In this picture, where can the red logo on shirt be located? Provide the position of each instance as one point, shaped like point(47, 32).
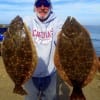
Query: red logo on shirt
point(43, 37)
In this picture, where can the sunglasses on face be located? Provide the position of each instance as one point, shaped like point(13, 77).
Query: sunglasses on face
point(45, 3)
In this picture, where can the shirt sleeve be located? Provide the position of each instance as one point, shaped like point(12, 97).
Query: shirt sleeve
point(57, 29)
point(28, 22)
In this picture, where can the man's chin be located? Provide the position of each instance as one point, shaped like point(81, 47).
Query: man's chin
point(42, 17)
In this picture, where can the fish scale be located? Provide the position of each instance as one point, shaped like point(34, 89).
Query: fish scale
point(75, 57)
point(19, 54)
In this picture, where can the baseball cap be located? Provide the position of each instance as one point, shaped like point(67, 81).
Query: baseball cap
point(39, 3)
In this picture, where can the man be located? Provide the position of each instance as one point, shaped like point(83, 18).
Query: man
point(44, 27)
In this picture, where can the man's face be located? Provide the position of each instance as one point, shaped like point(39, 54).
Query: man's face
point(42, 9)
point(42, 12)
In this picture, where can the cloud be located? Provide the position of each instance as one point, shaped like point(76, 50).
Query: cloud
point(86, 11)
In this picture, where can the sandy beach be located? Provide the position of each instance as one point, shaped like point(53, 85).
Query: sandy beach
point(91, 91)
point(6, 85)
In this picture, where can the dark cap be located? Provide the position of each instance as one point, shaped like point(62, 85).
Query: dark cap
point(39, 3)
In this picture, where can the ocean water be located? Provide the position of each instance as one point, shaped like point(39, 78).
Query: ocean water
point(95, 36)
point(94, 33)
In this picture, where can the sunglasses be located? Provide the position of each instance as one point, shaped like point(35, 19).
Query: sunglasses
point(45, 3)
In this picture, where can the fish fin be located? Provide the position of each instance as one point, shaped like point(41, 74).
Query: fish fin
point(77, 94)
point(19, 90)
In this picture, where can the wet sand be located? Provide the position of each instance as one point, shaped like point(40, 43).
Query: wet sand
point(91, 91)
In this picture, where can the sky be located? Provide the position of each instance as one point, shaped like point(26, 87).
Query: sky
point(87, 12)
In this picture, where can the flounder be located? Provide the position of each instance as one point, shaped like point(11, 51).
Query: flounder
point(99, 64)
point(19, 54)
point(75, 57)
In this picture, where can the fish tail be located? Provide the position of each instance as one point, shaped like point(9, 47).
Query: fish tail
point(19, 90)
point(77, 94)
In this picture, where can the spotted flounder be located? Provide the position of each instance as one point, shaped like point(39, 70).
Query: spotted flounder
point(19, 54)
point(75, 57)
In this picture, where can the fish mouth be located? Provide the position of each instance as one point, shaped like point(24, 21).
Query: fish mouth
point(70, 19)
point(71, 28)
